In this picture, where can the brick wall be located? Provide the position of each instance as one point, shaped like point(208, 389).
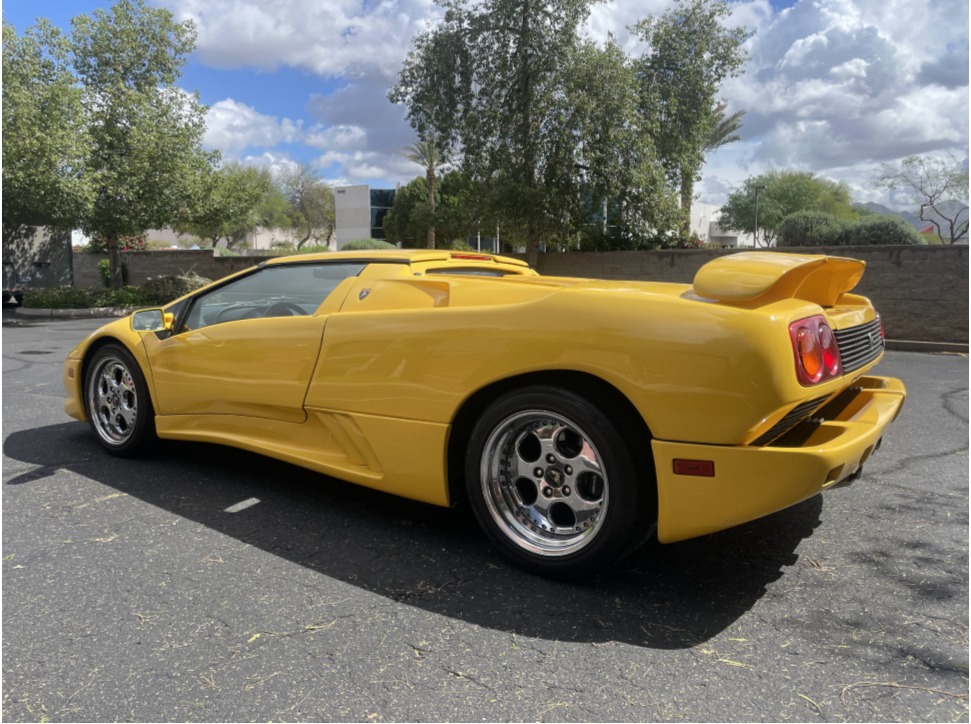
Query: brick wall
point(921, 291)
point(144, 264)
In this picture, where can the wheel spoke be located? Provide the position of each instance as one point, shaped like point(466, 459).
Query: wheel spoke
point(545, 482)
point(113, 400)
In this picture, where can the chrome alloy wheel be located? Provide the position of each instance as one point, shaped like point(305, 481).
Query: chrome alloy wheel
point(112, 400)
point(544, 483)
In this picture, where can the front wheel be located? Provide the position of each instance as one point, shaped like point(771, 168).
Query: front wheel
point(118, 403)
point(555, 484)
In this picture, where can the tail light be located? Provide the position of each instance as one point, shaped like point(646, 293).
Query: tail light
point(815, 349)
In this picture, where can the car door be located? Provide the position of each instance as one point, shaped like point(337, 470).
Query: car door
point(248, 347)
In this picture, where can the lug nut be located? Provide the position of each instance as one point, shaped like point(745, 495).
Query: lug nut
point(568, 470)
point(538, 472)
point(548, 492)
point(566, 490)
point(550, 459)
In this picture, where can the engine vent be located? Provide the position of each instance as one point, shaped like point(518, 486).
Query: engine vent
point(859, 345)
point(796, 415)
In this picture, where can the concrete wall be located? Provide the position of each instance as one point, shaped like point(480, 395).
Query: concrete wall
point(35, 257)
point(921, 291)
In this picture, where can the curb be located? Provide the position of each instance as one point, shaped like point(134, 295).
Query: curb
point(913, 345)
point(75, 313)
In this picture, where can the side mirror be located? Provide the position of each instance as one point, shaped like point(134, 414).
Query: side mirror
point(152, 320)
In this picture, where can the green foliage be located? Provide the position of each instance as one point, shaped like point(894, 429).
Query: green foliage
point(779, 194)
point(74, 298)
point(367, 244)
point(145, 162)
point(811, 228)
point(230, 207)
point(311, 204)
point(429, 156)
point(692, 52)
point(98, 244)
point(553, 129)
point(45, 137)
point(163, 289)
point(104, 269)
point(884, 229)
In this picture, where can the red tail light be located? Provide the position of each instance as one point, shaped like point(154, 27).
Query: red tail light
point(816, 351)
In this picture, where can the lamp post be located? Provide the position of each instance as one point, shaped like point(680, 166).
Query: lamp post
point(758, 189)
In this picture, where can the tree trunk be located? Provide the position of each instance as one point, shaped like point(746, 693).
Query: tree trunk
point(532, 244)
point(430, 179)
point(114, 260)
point(687, 191)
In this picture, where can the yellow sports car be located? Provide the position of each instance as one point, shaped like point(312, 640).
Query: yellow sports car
point(577, 417)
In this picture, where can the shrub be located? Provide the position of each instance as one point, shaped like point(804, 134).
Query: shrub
point(104, 268)
point(367, 244)
point(811, 228)
point(889, 230)
point(163, 289)
point(126, 242)
point(74, 298)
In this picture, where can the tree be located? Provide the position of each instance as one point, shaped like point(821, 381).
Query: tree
point(611, 187)
point(691, 53)
point(406, 221)
point(779, 194)
point(488, 79)
point(940, 187)
point(146, 158)
point(884, 229)
point(812, 228)
point(427, 155)
point(311, 204)
point(45, 139)
point(230, 208)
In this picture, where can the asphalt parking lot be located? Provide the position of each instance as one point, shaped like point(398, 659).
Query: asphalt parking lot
point(208, 584)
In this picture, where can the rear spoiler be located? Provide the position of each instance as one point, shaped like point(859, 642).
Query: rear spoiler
point(767, 276)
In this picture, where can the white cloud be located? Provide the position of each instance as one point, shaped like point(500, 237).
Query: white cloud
point(331, 38)
point(233, 127)
point(833, 86)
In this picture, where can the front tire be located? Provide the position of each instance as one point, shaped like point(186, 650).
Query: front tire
point(118, 403)
point(555, 484)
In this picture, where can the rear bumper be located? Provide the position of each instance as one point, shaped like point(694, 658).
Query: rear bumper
point(752, 482)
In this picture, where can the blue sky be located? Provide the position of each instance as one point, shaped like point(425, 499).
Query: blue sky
point(838, 87)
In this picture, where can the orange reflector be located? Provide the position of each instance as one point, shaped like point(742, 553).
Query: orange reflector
point(699, 468)
point(70, 374)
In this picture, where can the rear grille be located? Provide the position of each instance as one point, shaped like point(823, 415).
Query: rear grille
point(859, 345)
point(796, 415)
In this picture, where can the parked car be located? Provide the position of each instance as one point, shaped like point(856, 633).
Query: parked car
point(577, 417)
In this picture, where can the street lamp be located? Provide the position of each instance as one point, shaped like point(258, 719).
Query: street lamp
point(758, 189)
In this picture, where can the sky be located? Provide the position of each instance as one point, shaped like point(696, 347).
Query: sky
point(841, 88)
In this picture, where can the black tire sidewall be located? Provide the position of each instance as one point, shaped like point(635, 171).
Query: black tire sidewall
point(143, 434)
point(626, 511)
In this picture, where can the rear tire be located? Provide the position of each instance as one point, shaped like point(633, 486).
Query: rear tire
point(118, 403)
point(555, 484)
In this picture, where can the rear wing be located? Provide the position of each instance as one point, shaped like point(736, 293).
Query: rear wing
point(768, 276)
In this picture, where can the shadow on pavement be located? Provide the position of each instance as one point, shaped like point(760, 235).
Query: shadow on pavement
point(665, 597)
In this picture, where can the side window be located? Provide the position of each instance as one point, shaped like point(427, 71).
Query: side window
point(275, 291)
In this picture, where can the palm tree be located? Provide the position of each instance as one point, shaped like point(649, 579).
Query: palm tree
point(724, 130)
point(427, 154)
